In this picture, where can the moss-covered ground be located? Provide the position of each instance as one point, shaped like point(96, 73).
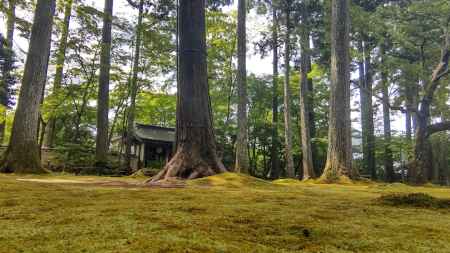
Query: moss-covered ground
point(224, 213)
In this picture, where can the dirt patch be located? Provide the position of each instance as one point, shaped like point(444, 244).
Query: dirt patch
point(97, 183)
point(54, 181)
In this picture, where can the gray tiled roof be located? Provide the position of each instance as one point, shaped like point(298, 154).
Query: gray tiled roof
point(155, 133)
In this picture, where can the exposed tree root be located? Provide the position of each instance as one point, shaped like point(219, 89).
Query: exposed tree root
point(338, 174)
point(188, 164)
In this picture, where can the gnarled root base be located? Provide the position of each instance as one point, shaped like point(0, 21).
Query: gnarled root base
point(339, 175)
point(22, 159)
point(189, 165)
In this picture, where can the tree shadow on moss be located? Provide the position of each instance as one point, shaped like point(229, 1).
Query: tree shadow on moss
point(418, 200)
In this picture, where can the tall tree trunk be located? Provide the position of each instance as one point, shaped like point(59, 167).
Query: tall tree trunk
point(388, 158)
point(103, 88)
point(317, 163)
point(60, 59)
point(411, 110)
point(242, 159)
point(440, 152)
point(275, 161)
point(133, 90)
point(196, 154)
point(339, 157)
point(7, 66)
point(368, 140)
point(290, 170)
point(408, 126)
point(422, 155)
point(22, 155)
point(305, 100)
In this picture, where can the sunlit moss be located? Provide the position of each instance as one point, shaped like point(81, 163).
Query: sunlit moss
point(224, 213)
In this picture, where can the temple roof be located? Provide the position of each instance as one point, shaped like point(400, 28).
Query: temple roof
point(154, 133)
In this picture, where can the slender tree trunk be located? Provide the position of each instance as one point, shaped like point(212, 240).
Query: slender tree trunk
point(339, 157)
point(290, 170)
point(388, 158)
point(133, 90)
point(43, 127)
point(275, 161)
point(317, 163)
point(411, 108)
point(408, 125)
point(305, 101)
point(22, 155)
point(7, 66)
point(103, 88)
point(365, 72)
point(242, 160)
point(196, 154)
point(60, 59)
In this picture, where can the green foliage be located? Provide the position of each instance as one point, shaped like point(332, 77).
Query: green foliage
point(156, 109)
point(74, 156)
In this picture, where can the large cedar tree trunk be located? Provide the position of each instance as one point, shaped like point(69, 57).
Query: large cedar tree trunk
point(7, 66)
point(133, 89)
point(196, 154)
point(103, 88)
point(274, 157)
point(60, 59)
point(242, 159)
point(305, 101)
point(422, 162)
point(22, 155)
point(339, 157)
point(290, 170)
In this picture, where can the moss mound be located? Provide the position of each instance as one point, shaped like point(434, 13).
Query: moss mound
point(344, 180)
point(228, 179)
point(420, 200)
point(287, 181)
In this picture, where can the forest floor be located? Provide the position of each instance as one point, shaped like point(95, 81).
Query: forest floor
point(224, 213)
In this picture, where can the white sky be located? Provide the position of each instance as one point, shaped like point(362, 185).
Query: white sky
point(255, 64)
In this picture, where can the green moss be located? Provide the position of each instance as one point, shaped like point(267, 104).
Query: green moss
point(224, 213)
point(414, 200)
point(231, 180)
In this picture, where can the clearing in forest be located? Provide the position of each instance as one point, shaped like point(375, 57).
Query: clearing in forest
point(223, 213)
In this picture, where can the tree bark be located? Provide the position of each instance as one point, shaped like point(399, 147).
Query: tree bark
point(305, 100)
point(60, 59)
point(133, 90)
point(7, 66)
point(368, 140)
point(22, 155)
point(408, 125)
point(422, 155)
point(290, 170)
point(103, 88)
point(388, 158)
point(440, 159)
point(275, 161)
point(242, 160)
point(339, 157)
point(196, 154)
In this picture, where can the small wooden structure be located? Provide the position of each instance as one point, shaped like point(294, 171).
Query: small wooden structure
point(152, 146)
